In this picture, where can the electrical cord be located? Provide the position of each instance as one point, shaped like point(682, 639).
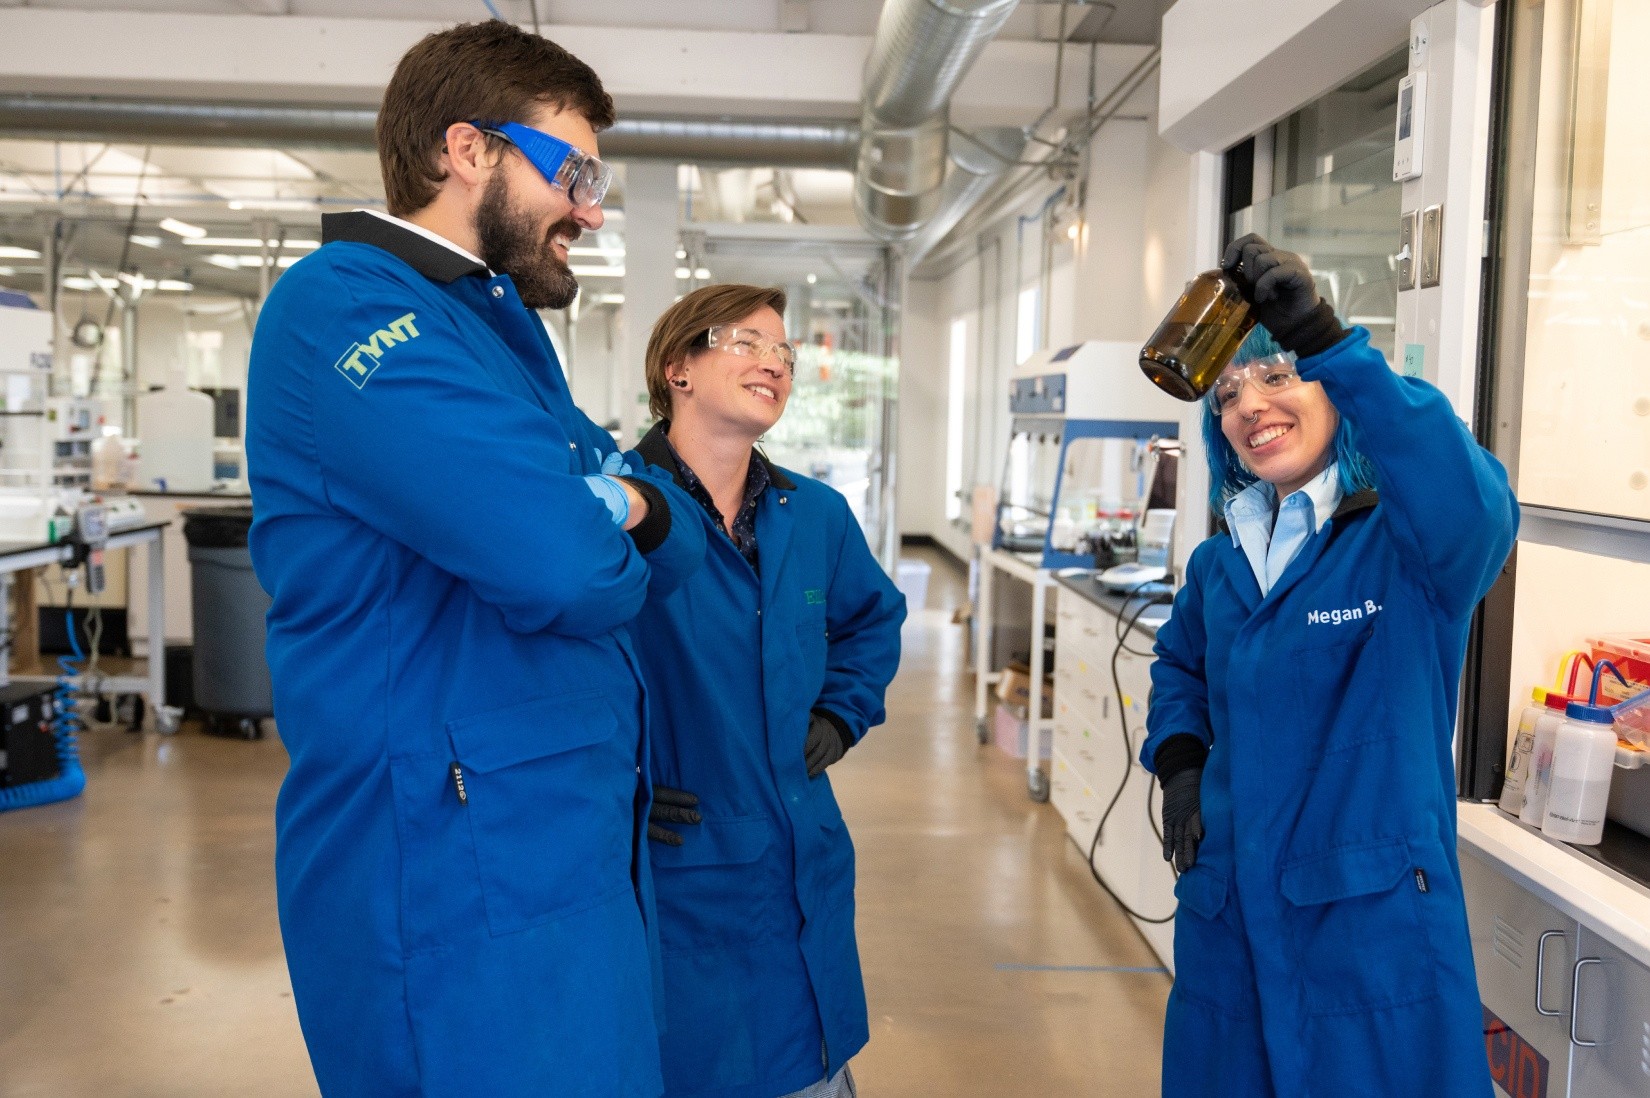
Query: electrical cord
point(1124, 625)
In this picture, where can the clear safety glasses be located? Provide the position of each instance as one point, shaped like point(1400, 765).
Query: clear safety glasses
point(581, 176)
point(750, 343)
point(1269, 376)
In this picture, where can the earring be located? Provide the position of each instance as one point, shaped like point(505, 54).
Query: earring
point(680, 382)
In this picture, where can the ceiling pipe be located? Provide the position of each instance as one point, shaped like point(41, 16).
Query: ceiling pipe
point(776, 144)
point(979, 160)
point(920, 53)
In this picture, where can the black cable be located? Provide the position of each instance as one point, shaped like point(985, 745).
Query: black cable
point(1124, 625)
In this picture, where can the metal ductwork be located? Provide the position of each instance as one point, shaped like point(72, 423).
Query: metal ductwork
point(979, 160)
point(921, 51)
point(778, 144)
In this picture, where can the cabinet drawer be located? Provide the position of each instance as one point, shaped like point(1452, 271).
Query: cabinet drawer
point(1075, 800)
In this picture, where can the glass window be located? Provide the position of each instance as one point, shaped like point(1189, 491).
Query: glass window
point(1027, 337)
point(1320, 183)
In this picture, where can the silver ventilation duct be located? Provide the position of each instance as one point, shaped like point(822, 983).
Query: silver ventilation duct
point(979, 160)
point(921, 51)
point(783, 145)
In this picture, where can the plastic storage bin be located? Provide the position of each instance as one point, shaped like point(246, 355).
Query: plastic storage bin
point(912, 581)
point(1630, 654)
point(231, 676)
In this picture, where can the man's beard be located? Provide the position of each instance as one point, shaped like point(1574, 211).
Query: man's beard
point(511, 245)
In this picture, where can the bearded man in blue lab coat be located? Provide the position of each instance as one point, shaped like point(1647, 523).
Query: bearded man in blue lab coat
point(1304, 696)
point(763, 669)
point(464, 896)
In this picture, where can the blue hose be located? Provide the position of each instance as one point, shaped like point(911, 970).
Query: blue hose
point(71, 779)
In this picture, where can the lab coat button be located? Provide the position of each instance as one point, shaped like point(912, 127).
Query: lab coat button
point(784, 499)
point(498, 291)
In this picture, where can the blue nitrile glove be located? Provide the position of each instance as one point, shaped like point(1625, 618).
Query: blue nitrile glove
point(614, 465)
point(610, 492)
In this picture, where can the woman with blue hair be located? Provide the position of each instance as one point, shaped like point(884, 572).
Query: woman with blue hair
point(1302, 714)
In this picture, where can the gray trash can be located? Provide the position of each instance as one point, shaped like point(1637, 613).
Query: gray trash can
point(231, 674)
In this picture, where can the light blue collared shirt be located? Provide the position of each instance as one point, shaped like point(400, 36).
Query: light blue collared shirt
point(1272, 546)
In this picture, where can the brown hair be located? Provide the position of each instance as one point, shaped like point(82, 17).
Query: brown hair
point(684, 329)
point(490, 71)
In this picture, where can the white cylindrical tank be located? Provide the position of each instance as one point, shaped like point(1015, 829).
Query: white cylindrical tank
point(175, 425)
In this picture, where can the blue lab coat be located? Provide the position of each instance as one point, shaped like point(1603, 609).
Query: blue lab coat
point(448, 604)
point(1321, 945)
point(763, 994)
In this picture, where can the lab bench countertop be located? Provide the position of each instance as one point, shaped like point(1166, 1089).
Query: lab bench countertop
point(1595, 886)
point(1087, 586)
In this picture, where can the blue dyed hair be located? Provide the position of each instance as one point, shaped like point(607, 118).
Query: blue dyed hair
point(1227, 475)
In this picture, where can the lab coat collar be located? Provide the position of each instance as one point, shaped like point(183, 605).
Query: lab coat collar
point(431, 256)
point(655, 450)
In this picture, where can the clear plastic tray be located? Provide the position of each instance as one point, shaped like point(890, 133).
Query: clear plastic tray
point(1633, 720)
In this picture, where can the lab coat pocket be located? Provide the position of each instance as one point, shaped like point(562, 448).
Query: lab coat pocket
point(715, 890)
point(1210, 952)
point(1336, 694)
point(811, 642)
point(549, 793)
point(1355, 928)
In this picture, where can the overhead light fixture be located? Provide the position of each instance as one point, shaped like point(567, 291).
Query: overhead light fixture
point(9, 251)
point(584, 270)
point(146, 241)
point(597, 253)
point(610, 299)
point(701, 273)
point(182, 228)
point(176, 285)
point(280, 204)
point(251, 242)
point(227, 262)
point(812, 278)
point(683, 272)
point(681, 253)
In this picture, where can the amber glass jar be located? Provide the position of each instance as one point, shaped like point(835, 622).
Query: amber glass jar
point(1198, 338)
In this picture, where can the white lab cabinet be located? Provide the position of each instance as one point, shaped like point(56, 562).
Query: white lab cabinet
point(1091, 758)
point(1549, 931)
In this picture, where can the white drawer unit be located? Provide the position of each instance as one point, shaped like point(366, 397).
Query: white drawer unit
point(1551, 933)
point(1093, 758)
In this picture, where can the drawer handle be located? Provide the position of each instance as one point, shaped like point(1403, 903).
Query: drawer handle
point(1575, 1001)
point(1540, 965)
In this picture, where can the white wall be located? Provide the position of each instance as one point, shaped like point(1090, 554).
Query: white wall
point(1115, 282)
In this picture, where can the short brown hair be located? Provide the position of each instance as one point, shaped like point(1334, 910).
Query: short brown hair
point(683, 330)
point(490, 71)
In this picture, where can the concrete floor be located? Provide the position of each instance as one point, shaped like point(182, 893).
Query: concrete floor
point(139, 954)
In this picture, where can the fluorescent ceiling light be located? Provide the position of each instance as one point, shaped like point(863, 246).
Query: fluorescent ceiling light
point(701, 273)
point(228, 262)
point(9, 251)
point(598, 253)
point(681, 253)
point(8, 271)
point(250, 242)
point(279, 204)
point(587, 271)
point(683, 272)
point(146, 241)
point(610, 299)
point(182, 228)
point(175, 285)
point(812, 278)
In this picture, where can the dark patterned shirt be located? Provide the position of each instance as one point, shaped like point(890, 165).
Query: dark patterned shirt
point(744, 523)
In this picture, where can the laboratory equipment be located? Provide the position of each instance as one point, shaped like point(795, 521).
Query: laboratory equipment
point(176, 425)
point(1082, 430)
point(1199, 337)
point(1539, 781)
point(1584, 757)
point(28, 749)
point(1518, 767)
point(91, 538)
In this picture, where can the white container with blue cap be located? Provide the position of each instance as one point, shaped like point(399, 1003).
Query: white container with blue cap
point(1584, 759)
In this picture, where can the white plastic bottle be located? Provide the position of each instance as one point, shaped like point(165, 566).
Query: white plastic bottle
point(175, 424)
point(1518, 767)
point(1584, 757)
point(1539, 779)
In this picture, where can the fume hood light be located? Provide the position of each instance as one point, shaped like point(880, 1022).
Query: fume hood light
point(182, 228)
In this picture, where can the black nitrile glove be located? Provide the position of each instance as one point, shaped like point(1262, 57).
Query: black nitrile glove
point(1282, 295)
point(1183, 817)
point(671, 806)
point(827, 742)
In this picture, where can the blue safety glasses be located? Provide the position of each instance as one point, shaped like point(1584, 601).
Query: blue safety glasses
point(582, 177)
